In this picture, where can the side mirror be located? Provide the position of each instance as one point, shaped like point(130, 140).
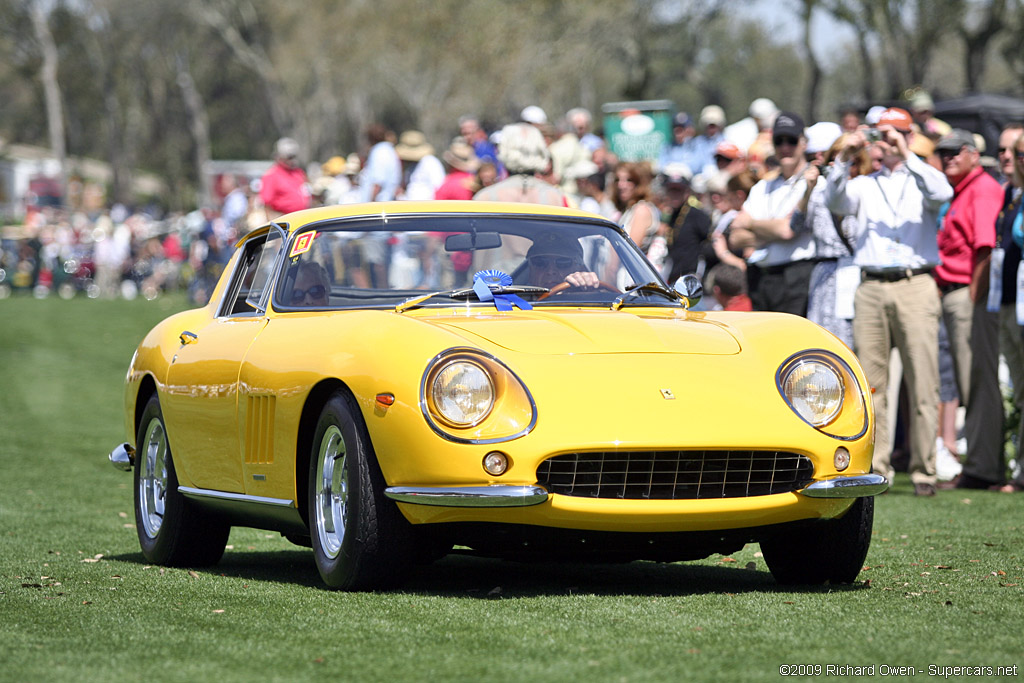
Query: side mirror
point(690, 289)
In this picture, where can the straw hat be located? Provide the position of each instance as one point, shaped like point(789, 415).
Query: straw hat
point(413, 146)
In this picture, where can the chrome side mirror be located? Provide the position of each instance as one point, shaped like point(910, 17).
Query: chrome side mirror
point(689, 289)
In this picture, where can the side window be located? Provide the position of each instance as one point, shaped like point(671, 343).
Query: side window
point(255, 269)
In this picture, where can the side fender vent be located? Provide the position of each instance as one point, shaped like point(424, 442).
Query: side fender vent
point(259, 429)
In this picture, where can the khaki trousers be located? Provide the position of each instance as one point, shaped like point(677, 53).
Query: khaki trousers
point(904, 314)
point(958, 314)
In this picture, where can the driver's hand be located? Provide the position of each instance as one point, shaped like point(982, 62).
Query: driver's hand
point(582, 279)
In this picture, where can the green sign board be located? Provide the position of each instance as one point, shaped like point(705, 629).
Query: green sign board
point(637, 131)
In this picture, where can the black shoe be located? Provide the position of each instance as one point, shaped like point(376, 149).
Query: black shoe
point(969, 481)
point(924, 489)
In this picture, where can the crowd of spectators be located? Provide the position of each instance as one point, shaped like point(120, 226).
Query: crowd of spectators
point(888, 228)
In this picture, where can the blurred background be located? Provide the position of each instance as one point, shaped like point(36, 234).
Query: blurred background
point(135, 119)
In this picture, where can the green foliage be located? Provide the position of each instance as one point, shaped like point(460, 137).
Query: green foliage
point(79, 602)
point(322, 71)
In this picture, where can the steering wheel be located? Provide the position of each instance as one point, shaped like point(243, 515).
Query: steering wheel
point(563, 286)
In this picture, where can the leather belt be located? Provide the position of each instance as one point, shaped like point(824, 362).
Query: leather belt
point(948, 287)
point(892, 274)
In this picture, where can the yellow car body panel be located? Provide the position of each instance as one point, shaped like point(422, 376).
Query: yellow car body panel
point(637, 379)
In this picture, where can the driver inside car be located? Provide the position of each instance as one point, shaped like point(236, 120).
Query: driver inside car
point(554, 259)
point(312, 286)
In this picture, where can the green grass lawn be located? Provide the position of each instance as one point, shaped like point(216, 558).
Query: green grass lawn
point(943, 585)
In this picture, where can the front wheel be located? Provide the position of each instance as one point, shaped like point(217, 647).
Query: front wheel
point(832, 550)
point(360, 539)
point(171, 530)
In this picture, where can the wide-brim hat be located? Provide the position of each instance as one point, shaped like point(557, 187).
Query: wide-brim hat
point(461, 156)
point(413, 146)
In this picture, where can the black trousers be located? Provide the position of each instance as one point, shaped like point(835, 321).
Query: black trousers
point(783, 288)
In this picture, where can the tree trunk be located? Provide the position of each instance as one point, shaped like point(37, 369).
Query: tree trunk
point(51, 90)
point(198, 125)
point(814, 68)
point(976, 43)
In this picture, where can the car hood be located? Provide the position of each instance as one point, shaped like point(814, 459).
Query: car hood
point(580, 331)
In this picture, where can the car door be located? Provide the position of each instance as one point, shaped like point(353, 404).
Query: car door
point(202, 389)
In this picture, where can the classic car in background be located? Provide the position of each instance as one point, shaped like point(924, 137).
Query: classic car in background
point(383, 382)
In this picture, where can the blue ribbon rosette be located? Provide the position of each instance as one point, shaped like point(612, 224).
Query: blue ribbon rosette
point(485, 281)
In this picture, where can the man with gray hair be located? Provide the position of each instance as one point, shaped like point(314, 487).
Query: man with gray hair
point(580, 122)
point(967, 235)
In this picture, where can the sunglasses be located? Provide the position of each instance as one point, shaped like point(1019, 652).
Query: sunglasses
point(315, 292)
point(785, 140)
point(949, 153)
point(543, 262)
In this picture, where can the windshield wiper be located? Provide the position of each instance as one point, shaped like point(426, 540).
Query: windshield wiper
point(465, 293)
point(656, 287)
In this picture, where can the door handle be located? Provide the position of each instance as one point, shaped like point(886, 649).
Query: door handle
point(187, 337)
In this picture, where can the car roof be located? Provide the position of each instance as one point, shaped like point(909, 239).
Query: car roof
point(299, 219)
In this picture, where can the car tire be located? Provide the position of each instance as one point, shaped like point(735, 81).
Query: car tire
point(172, 531)
point(361, 541)
point(832, 551)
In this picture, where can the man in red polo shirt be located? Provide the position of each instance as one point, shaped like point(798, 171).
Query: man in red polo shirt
point(966, 236)
point(284, 188)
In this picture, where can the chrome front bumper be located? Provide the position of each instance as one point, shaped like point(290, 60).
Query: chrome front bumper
point(857, 486)
point(122, 457)
point(469, 496)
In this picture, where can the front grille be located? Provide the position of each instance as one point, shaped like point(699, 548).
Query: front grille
point(675, 475)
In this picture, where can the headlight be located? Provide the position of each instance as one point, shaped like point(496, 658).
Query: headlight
point(814, 390)
point(826, 392)
point(469, 396)
point(462, 393)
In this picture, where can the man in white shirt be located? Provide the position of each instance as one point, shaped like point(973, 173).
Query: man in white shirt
point(897, 302)
point(780, 266)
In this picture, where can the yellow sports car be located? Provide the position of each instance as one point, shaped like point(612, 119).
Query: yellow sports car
point(385, 381)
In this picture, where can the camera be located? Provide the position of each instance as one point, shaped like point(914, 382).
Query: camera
point(873, 135)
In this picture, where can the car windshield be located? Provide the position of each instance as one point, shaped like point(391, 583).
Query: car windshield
point(414, 261)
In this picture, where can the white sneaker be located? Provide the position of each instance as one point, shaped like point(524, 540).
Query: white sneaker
point(947, 467)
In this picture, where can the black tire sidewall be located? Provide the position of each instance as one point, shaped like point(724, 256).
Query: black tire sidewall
point(339, 571)
point(161, 548)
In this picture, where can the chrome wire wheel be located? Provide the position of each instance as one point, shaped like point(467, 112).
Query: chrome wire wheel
point(153, 478)
point(331, 491)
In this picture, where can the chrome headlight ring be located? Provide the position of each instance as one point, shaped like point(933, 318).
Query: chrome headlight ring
point(462, 387)
point(823, 391)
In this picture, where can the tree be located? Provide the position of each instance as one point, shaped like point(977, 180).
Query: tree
point(51, 86)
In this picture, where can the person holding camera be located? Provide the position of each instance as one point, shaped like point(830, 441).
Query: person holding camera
point(897, 301)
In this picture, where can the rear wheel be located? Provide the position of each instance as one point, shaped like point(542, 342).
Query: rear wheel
point(361, 541)
point(171, 530)
point(832, 551)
